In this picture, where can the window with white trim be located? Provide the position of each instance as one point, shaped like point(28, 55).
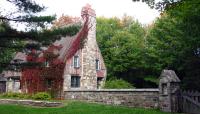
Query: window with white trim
point(46, 64)
point(97, 64)
point(76, 62)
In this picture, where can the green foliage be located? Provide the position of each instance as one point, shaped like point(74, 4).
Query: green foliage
point(77, 108)
point(161, 5)
point(15, 95)
point(174, 40)
point(42, 96)
point(122, 44)
point(164, 44)
point(46, 36)
point(37, 96)
point(132, 52)
point(117, 84)
point(27, 6)
point(119, 44)
point(153, 79)
point(26, 13)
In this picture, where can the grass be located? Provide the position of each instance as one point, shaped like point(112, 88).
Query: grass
point(76, 108)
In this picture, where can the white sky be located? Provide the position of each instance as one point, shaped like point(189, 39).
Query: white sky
point(106, 8)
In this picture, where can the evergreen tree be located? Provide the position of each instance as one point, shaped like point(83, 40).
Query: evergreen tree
point(26, 13)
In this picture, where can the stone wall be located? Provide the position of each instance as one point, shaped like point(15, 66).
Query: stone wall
point(147, 98)
point(12, 85)
point(165, 97)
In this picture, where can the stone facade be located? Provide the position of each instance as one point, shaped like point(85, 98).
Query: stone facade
point(13, 75)
point(2, 84)
point(12, 81)
point(13, 85)
point(90, 77)
point(84, 69)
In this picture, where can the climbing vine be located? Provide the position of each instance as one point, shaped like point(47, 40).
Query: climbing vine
point(47, 78)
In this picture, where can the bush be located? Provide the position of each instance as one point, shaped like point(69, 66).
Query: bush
point(15, 95)
point(42, 96)
point(117, 84)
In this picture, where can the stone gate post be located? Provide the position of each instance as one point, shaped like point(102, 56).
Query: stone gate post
point(169, 89)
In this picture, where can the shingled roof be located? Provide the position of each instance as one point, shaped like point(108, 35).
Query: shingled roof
point(19, 57)
point(2, 79)
point(66, 43)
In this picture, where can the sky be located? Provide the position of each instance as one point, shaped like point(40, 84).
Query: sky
point(107, 8)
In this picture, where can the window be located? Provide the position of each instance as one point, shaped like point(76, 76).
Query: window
point(49, 83)
point(46, 64)
point(75, 81)
point(76, 61)
point(97, 64)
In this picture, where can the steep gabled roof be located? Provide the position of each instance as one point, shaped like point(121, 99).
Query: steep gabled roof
point(67, 46)
point(19, 56)
point(70, 45)
point(66, 43)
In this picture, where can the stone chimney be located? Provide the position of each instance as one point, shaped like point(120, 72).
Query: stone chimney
point(89, 77)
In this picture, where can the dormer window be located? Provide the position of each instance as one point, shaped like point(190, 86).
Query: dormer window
point(97, 64)
point(76, 62)
point(46, 64)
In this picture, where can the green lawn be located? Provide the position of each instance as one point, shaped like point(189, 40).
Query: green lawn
point(76, 108)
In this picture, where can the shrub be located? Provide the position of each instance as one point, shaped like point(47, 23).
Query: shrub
point(25, 96)
point(10, 95)
point(15, 95)
point(117, 84)
point(42, 96)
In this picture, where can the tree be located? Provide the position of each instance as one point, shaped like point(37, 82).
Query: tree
point(174, 41)
point(187, 13)
point(122, 43)
point(161, 5)
point(66, 20)
point(164, 44)
point(37, 28)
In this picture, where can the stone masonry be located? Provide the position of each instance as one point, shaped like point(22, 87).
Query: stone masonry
point(147, 98)
point(165, 97)
point(89, 77)
point(168, 91)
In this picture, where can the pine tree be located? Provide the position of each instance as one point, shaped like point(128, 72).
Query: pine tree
point(36, 30)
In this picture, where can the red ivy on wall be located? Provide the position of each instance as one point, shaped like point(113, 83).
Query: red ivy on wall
point(50, 77)
point(43, 78)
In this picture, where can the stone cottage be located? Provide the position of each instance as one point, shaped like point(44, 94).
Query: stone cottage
point(84, 65)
